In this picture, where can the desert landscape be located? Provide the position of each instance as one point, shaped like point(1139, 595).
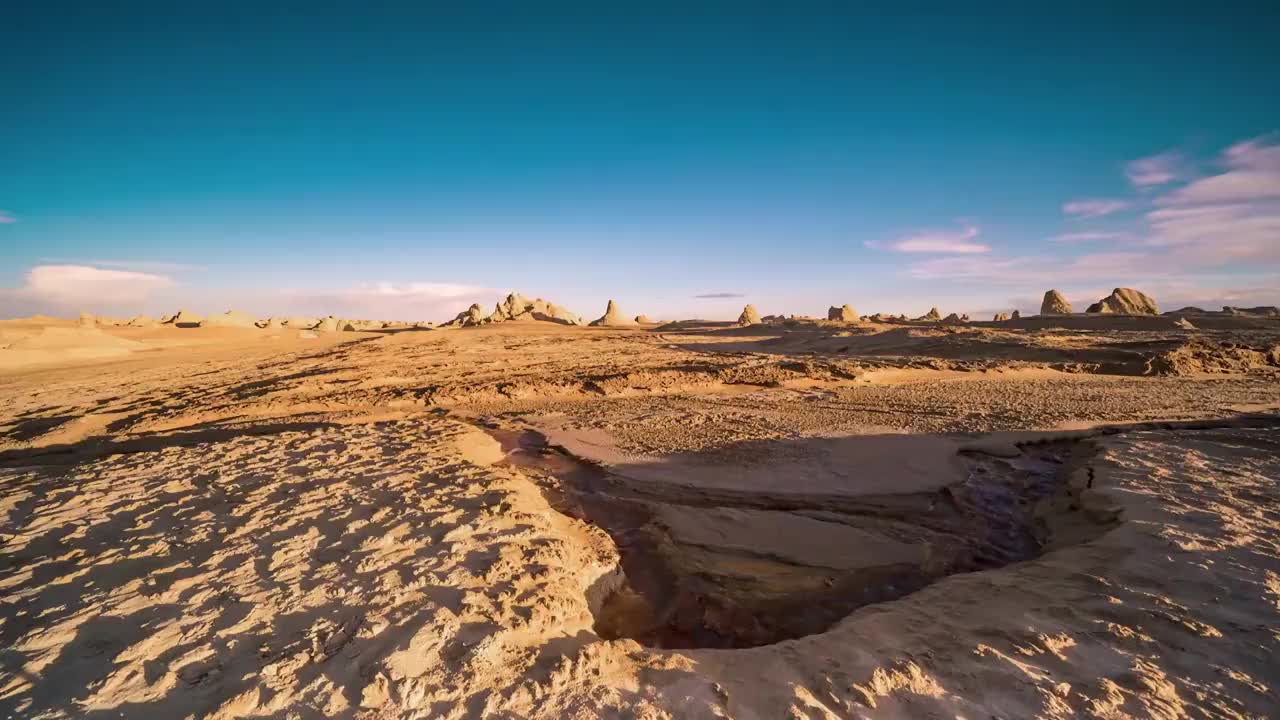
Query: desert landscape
point(518, 513)
point(640, 361)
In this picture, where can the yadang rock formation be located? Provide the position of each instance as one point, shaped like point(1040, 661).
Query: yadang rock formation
point(1125, 301)
point(518, 307)
point(473, 315)
point(844, 313)
point(231, 318)
point(301, 323)
point(643, 319)
point(515, 307)
point(1055, 303)
point(954, 319)
point(1000, 317)
point(184, 319)
point(749, 316)
point(932, 316)
point(1259, 311)
point(612, 317)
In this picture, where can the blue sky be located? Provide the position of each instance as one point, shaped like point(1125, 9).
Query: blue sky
point(405, 162)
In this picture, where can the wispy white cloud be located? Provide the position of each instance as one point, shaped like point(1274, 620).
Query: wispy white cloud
point(1253, 173)
point(1080, 237)
point(7, 217)
point(1095, 207)
point(1234, 186)
point(1230, 217)
point(384, 300)
point(65, 289)
point(1032, 270)
point(59, 288)
point(953, 242)
point(152, 266)
point(1155, 170)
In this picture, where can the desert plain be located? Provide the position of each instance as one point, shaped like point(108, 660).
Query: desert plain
point(516, 515)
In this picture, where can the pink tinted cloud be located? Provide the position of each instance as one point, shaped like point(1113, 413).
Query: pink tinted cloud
point(1253, 173)
point(7, 217)
point(1230, 217)
point(1080, 237)
point(1262, 153)
point(1092, 208)
point(84, 286)
point(1155, 170)
point(1033, 270)
point(386, 301)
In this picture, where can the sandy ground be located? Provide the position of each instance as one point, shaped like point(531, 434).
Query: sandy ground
point(528, 520)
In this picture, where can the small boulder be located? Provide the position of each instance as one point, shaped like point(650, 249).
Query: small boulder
point(1125, 301)
point(1055, 303)
point(749, 316)
point(1184, 324)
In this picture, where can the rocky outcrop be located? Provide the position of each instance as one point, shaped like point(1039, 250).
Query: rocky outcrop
point(142, 321)
point(1184, 323)
point(1055, 303)
point(1125, 301)
point(932, 316)
point(272, 323)
point(87, 320)
point(612, 317)
point(844, 313)
point(954, 319)
point(1016, 315)
point(328, 325)
point(1000, 317)
point(749, 316)
point(643, 319)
